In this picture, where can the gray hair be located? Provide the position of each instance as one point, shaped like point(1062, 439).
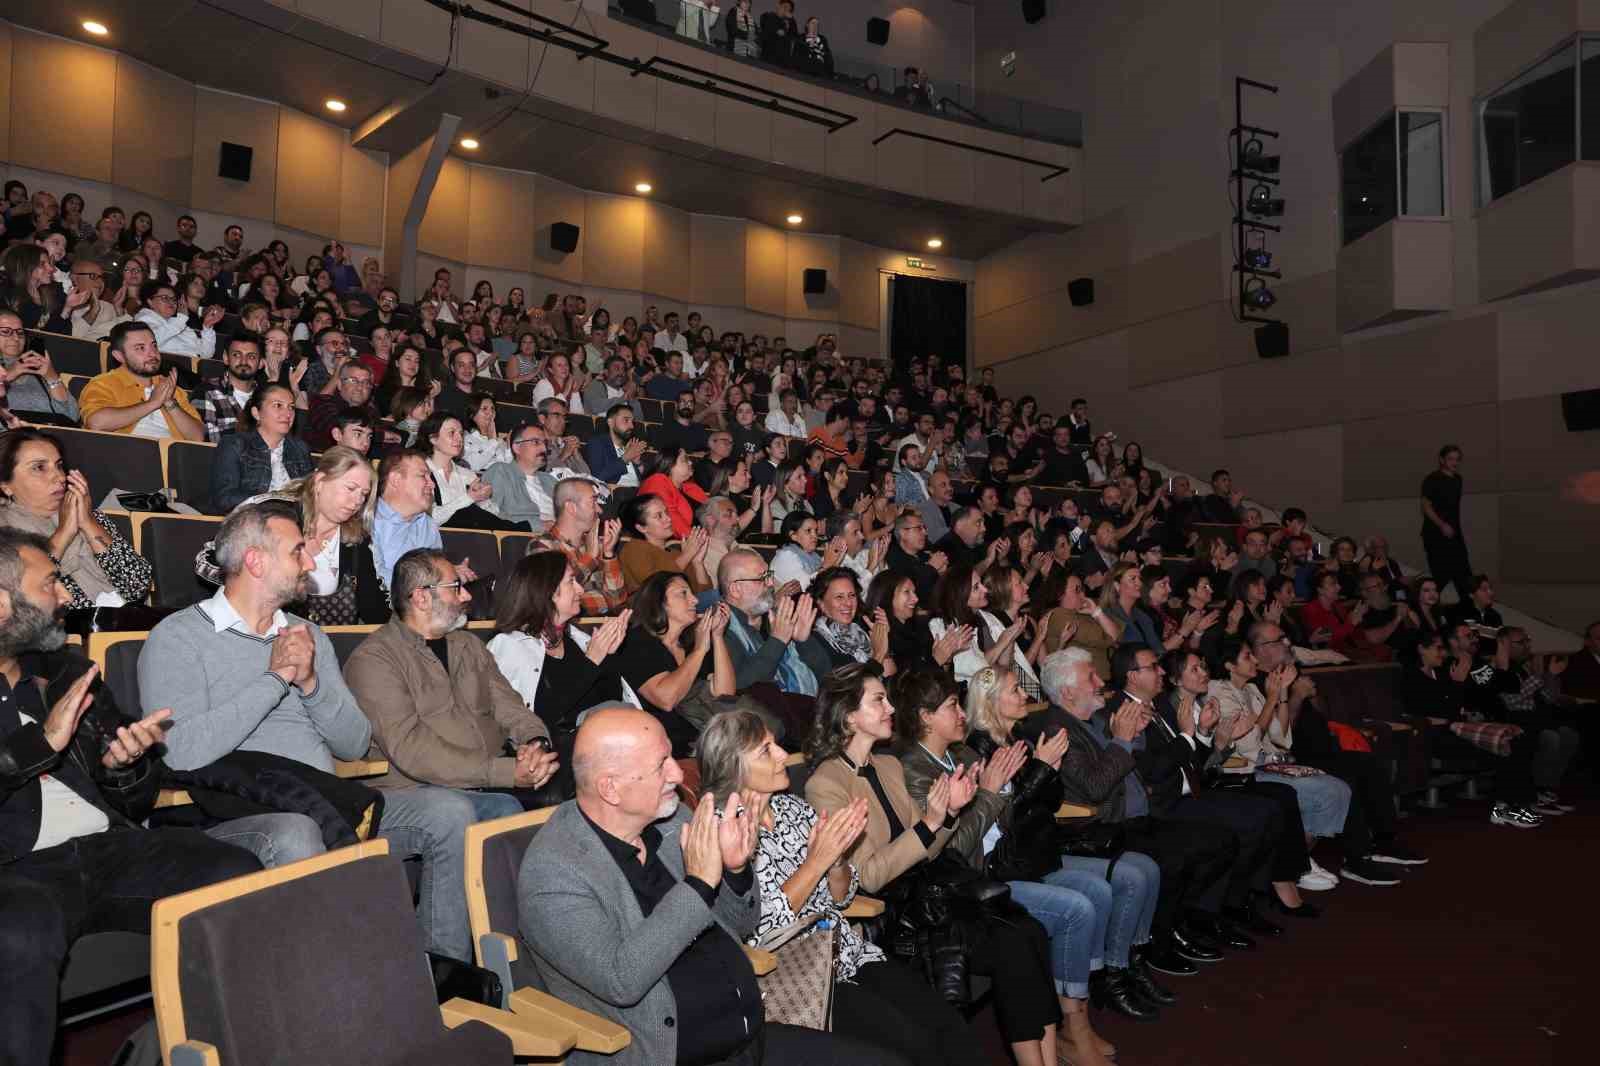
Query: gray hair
point(706, 513)
point(550, 403)
point(246, 528)
point(726, 566)
point(728, 738)
point(412, 571)
point(1055, 673)
point(839, 521)
point(12, 541)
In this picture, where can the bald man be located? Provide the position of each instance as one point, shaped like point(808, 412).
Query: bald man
point(635, 907)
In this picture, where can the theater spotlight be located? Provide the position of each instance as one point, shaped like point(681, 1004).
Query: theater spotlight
point(1258, 259)
point(1252, 157)
point(1263, 203)
point(1257, 295)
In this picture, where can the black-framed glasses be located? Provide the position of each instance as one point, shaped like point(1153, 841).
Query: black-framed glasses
point(457, 584)
point(764, 577)
point(12, 331)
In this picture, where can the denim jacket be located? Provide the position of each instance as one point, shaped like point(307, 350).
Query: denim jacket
point(242, 467)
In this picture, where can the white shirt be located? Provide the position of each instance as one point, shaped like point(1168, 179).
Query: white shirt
point(280, 473)
point(63, 814)
point(224, 617)
point(325, 578)
point(930, 458)
point(153, 424)
point(778, 422)
point(675, 342)
point(453, 495)
point(174, 337)
point(544, 391)
point(971, 659)
point(520, 658)
point(481, 451)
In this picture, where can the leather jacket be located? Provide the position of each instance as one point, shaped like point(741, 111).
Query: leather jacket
point(1030, 846)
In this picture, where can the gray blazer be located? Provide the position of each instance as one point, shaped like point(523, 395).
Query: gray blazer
point(511, 497)
point(592, 945)
point(596, 402)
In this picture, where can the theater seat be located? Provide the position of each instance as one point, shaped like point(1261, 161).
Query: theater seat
point(171, 543)
point(70, 354)
point(482, 553)
point(508, 416)
point(345, 981)
point(513, 546)
point(189, 471)
point(112, 460)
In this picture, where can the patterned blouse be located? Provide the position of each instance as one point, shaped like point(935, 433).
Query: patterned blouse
point(779, 854)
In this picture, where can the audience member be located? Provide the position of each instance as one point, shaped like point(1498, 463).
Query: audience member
point(260, 454)
point(136, 397)
point(33, 385)
point(675, 661)
point(222, 402)
point(1443, 539)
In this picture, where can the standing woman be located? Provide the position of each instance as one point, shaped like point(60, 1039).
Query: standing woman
point(854, 715)
point(741, 26)
point(802, 870)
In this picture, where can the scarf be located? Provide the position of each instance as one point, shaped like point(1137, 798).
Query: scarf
point(794, 676)
point(77, 562)
point(850, 639)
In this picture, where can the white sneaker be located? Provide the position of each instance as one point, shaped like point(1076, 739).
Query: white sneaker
point(1329, 874)
point(1550, 799)
point(1516, 817)
point(1317, 881)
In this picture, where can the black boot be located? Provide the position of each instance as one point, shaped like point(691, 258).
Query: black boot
point(1226, 933)
point(1194, 948)
point(1246, 917)
point(1145, 981)
point(1113, 989)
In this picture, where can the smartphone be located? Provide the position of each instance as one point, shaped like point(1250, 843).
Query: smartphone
point(1316, 550)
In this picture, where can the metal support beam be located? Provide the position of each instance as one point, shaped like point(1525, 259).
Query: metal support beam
point(1055, 171)
point(427, 178)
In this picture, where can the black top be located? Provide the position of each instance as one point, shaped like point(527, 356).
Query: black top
point(643, 656)
point(183, 251)
point(571, 683)
point(1444, 492)
point(718, 1001)
point(672, 434)
point(1060, 468)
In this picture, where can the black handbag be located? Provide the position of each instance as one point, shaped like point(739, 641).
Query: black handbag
point(1097, 840)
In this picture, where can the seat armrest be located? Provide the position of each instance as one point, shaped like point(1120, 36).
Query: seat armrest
point(763, 962)
point(590, 1032)
point(529, 1036)
point(1068, 811)
point(194, 1053)
point(863, 907)
point(361, 767)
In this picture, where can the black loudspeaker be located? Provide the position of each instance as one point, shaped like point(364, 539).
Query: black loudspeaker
point(1272, 340)
point(1081, 291)
point(877, 31)
point(1032, 11)
point(816, 281)
point(563, 237)
point(1581, 410)
point(235, 161)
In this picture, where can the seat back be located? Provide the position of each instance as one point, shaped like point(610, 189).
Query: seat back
point(171, 543)
point(513, 546)
point(118, 657)
point(508, 416)
point(482, 553)
point(69, 354)
point(112, 460)
point(317, 961)
point(346, 639)
point(494, 854)
point(189, 472)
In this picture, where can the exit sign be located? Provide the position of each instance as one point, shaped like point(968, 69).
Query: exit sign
point(913, 262)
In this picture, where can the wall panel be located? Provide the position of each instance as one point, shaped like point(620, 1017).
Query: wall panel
point(614, 253)
point(805, 251)
point(361, 195)
point(766, 270)
point(1389, 456)
point(667, 250)
point(153, 134)
point(444, 227)
point(222, 117)
point(500, 218)
point(554, 202)
point(6, 37)
point(858, 284)
point(62, 98)
point(717, 260)
point(310, 158)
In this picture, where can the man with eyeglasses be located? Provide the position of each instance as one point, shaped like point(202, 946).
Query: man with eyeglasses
point(908, 554)
point(522, 490)
point(92, 320)
point(769, 634)
point(352, 391)
point(33, 386)
point(177, 332)
point(221, 404)
point(441, 711)
point(565, 458)
point(332, 349)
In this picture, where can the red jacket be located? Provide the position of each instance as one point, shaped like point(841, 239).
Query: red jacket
point(680, 502)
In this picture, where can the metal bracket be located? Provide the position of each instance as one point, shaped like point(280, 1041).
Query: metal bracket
point(1055, 171)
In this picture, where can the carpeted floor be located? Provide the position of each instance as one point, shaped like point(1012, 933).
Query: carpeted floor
point(1478, 958)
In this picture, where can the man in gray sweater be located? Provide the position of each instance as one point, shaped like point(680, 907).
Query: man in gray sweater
point(241, 675)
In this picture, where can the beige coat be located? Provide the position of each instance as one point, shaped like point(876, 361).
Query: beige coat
point(879, 860)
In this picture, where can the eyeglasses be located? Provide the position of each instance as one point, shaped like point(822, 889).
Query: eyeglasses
point(10, 331)
point(447, 585)
point(87, 274)
point(764, 577)
point(527, 440)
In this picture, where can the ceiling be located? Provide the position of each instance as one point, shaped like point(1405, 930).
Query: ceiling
point(258, 49)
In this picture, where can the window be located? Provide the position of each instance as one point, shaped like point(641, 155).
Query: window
point(1395, 168)
point(1530, 128)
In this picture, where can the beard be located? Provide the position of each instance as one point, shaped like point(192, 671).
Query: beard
point(32, 628)
point(623, 436)
point(762, 606)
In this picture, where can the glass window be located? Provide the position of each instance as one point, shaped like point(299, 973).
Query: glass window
point(1589, 90)
point(1529, 128)
point(1367, 180)
point(1421, 137)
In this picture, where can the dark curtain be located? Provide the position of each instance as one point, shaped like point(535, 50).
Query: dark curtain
point(927, 316)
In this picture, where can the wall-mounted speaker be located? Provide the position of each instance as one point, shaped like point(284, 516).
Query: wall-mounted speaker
point(1581, 410)
point(1032, 11)
point(1081, 291)
point(877, 31)
point(816, 281)
point(563, 237)
point(234, 162)
point(1272, 340)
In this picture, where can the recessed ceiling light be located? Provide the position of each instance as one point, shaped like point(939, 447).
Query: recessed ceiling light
point(643, 186)
point(469, 143)
point(335, 106)
point(96, 28)
point(795, 220)
point(935, 242)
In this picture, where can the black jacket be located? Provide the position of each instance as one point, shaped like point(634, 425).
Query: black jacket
point(778, 35)
point(1091, 774)
point(922, 575)
point(245, 783)
point(124, 796)
point(1029, 846)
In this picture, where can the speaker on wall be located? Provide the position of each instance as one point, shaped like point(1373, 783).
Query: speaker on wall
point(816, 281)
point(1032, 10)
point(877, 31)
point(1272, 340)
point(563, 237)
point(1081, 291)
point(1581, 410)
point(234, 162)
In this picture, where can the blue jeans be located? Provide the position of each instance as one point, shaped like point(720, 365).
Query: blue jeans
point(1069, 917)
point(1135, 885)
point(274, 839)
point(487, 806)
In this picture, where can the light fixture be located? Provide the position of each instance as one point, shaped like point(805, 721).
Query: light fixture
point(469, 143)
point(935, 242)
point(1258, 259)
point(1257, 295)
point(642, 187)
point(1263, 203)
point(96, 28)
point(794, 220)
point(1253, 157)
point(336, 106)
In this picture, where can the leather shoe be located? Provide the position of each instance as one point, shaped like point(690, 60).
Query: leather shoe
point(1193, 948)
point(1227, 934)
point(1144, 981)
point(1246, 917)
point(1305, 910)
point(1113, 989)
point(1164, 958)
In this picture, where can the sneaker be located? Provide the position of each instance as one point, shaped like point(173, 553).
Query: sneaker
point(1399, 856)
point(1322, 872)
point(1550, 799)
point(1317, 882)
point(1368, 873)
point(1516, 817)
point(1549, 810)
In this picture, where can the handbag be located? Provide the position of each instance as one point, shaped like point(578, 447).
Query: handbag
point(800, 991)
point(1097, 840)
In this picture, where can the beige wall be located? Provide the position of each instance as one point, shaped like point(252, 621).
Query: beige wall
point(1348, 424)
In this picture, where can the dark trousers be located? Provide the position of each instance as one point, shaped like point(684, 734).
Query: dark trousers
point(1257, 824)
point(791, 1045)
point(1015, 955)
point(1194, 857)
point(474, 517)
point(1448, 562)
point(94, 884)
point(890, 1005)
point(1290, 858)
point(1372, 811)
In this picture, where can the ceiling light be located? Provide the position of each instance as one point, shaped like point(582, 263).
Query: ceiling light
point(643, 186)
point(96, 28)
point(935, 242)
point(336, 106)
point(469, 143)
point(794, 220)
